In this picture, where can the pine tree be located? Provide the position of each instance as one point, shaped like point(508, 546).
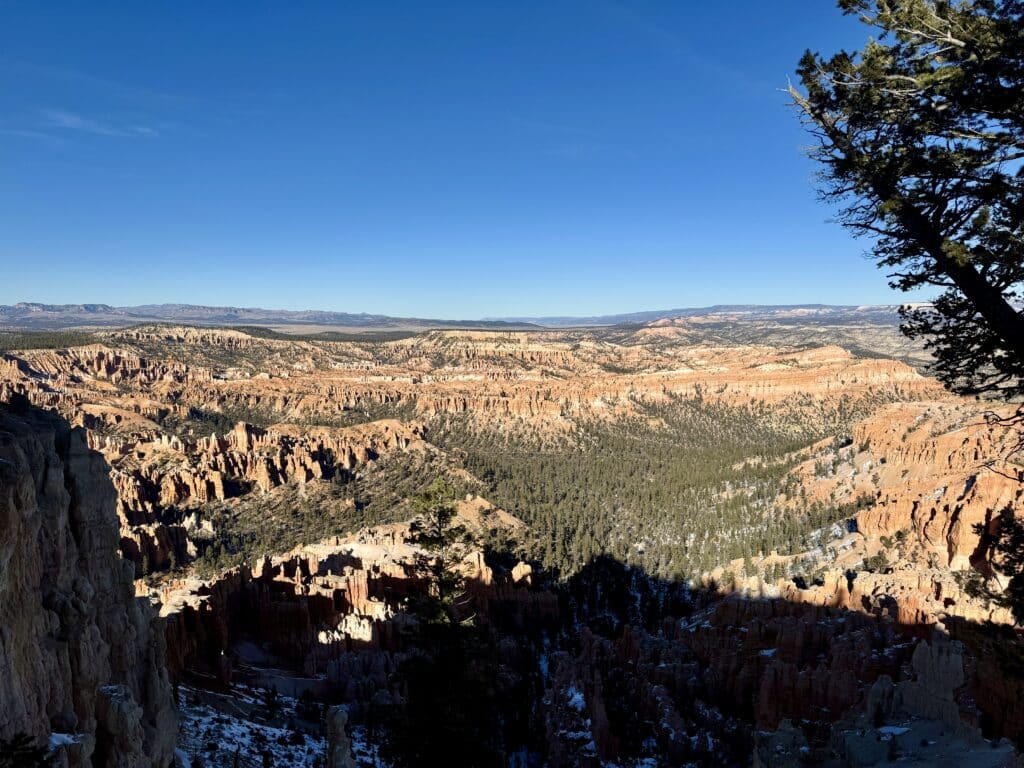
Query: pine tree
point(920, 138)
point(432, 530)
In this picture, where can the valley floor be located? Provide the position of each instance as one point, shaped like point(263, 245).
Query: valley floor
point(685, 542)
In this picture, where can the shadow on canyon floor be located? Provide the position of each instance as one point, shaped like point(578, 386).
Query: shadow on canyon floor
point(610, 664)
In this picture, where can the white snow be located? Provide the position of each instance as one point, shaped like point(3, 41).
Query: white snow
point(62, 740)
point(888, 731)
point(214, 728)
point(365, 752)
point(575, 699)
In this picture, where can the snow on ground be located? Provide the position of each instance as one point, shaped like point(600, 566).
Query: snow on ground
point(62, 740)
point(574, 696)
point(241, 731)
point(888, 731)
point(365, 753)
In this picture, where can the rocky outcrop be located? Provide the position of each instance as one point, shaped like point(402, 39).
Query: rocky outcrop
point(150, 382)
point(941, 477)
point(706, 678)
point(688, 687)
point(334, 612)
point(938, 474)
point(161, 479)
point(164, 472)
point(546, 381)
point(339, 749)
point(306, 607)
point(64, 366)
point(917, 596)
point(80, 655)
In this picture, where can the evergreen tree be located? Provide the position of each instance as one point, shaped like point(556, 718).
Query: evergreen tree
point(433, 531)
point(461, 706)
point(920, 138)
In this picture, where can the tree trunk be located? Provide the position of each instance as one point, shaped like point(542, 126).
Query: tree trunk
point(1006, 322)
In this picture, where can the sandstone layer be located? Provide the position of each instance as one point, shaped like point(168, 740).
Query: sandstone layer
point(770, 652)
point(81, 658)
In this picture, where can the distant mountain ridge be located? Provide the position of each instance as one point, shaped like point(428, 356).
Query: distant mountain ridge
point(873, 313)
point(40, 316)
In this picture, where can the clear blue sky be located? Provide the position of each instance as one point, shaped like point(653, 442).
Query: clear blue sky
point(431, 159)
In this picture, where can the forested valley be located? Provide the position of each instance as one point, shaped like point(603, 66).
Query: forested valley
point(677, 489)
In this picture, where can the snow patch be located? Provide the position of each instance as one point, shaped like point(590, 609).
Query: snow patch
point(58, 740)
point(215, 728)
point(575, 699)
point(888, 731)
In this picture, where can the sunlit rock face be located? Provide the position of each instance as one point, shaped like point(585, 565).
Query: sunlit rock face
point(143, 395)
point(312, 607)
point(80, 655)
point(933, 477)
point(199, 425)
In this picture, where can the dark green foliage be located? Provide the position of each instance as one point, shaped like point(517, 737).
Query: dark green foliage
point(270, 704)
point(877, 563)
point(260, 332)
point(45, 340)
point(257, 525)
point(606, 596)
point(453, 701)
point(21, 751)
point(200, 422)
point(466, 702)
point(920, 137)
point(309, 709)
point(1006, 538)
point(433, 531)
point(678, 490)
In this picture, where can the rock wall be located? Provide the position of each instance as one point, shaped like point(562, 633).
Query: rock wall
point(79, 654)
point(161, 480)
point(314, 608)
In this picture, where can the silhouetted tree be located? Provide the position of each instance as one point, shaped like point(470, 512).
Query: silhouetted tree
point(461, 705)
point(452, 701)
point(1008, 541)
point(920, 138)
point(270, 703)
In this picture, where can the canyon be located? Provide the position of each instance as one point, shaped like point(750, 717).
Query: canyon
point(225, 512)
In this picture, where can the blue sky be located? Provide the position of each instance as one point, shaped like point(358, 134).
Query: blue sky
point(431, 159)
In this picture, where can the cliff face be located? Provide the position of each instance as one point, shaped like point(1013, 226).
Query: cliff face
point(151, 399)
point(796, 683)
point(933, 476)
point(697, 679)
point(154, 474)
point(314, 607)
point(942, 474)
point(167, 472)
point(550, 381)
point(79, 653)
